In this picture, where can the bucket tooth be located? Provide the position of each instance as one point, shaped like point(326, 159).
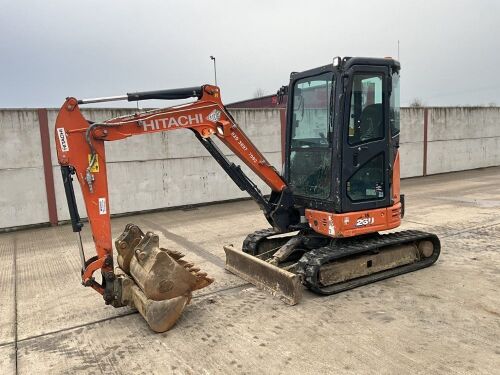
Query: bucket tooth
point(202, 281)
point(173, 253)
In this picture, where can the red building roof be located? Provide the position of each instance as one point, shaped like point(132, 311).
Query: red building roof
point(268, 101)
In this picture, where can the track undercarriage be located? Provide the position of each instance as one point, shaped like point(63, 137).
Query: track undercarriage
point(281, 262)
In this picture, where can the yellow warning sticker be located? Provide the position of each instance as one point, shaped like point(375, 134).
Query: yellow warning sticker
point(95, 167)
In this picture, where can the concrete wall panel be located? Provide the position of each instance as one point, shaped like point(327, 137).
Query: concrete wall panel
point(412, 125)
point(22, 186)
point(172, 169)
point(463, 123)
point(262, 126)
point(184, 144)
point(462, 154)
point(411, 156)
point(20, 139)
point(23, 198)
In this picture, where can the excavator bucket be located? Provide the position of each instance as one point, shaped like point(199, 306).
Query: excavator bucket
point(266, 276)
point(155, 281)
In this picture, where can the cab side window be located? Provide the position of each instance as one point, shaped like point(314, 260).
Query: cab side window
point(366, 118)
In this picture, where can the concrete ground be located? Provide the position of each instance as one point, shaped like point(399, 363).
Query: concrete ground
point(443, 319)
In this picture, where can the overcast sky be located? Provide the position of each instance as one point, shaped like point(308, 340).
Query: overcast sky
point(449, 50)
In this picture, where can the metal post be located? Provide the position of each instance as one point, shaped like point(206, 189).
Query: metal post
point(47, 165)
point(215, 69)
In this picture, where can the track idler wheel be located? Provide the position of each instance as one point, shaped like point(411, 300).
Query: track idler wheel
point(154, 280)
point(426, 248)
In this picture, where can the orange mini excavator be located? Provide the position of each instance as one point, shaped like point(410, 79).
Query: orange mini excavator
point(339, 188)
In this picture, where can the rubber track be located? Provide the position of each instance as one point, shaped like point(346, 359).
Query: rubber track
point(252, 241)
point(310, 263)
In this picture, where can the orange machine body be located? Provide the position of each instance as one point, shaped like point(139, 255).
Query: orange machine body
point(357, 223)
point(207, 116)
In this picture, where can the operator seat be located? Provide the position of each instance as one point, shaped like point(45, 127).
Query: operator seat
point(371, 122)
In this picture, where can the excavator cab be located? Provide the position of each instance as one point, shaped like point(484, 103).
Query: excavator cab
point(342, 170)
point(342, 135)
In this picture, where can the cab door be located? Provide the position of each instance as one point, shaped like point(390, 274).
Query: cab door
point(365, 140)
point(309, 156)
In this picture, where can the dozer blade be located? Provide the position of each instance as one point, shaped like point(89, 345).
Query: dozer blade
point(154, 280)
point(272, 279)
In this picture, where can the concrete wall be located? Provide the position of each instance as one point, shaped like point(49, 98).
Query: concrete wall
point(172, 169)
point(411, 142)
point(463, 138)
point(146, 172)
point(22, 187)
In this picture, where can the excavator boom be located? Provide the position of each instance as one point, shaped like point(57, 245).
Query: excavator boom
point(81, 152)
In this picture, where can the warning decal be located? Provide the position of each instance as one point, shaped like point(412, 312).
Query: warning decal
point(95, 167)
point(102, 206)
point(63, 141)
point(214, 116)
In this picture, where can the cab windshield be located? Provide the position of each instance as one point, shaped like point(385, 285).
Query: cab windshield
point(310, 146)
point(311, 114)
